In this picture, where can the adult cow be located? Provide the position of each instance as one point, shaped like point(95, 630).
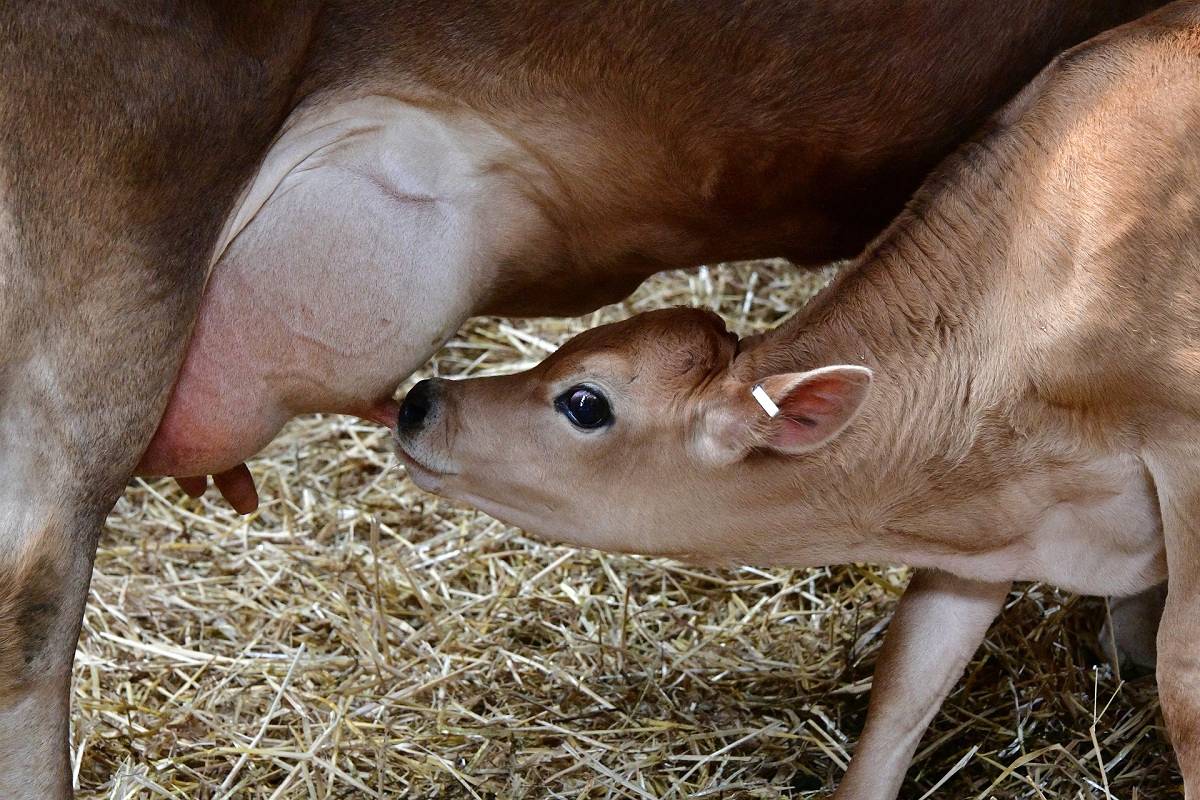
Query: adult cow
point(365, 176)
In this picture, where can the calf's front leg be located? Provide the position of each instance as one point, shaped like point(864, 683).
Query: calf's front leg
point(1178, 666)
point(937, 627)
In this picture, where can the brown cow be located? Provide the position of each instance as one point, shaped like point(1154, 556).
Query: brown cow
point(1005, 386)
point(360, 178)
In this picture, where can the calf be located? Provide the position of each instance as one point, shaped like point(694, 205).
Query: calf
point(445, 159)
point(1005, 386)
point(319, 192)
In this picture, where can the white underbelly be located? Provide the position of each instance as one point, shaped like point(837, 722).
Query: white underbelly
point(1111, 548)
point(1102, 536)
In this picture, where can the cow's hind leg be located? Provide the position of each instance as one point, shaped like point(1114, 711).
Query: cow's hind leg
point(79, 399)
point(86, 362)
point(122, 147)
point(45, 565)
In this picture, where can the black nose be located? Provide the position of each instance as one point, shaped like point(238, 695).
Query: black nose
point(416, 406)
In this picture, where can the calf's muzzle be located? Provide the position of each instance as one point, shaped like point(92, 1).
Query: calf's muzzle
point(417, 406)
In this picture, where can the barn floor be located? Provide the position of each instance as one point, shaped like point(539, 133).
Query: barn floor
point(358, 638)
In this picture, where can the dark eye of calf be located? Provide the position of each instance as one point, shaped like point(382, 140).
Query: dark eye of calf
point(585, 407)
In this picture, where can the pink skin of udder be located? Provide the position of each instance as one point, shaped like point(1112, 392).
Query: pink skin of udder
point(361, 262)
point(243, 377)
point(200, 434)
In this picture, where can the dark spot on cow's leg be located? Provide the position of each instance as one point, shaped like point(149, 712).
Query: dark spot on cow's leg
point(38, 608)
point(30, 610)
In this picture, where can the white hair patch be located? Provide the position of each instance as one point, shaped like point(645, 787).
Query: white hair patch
point(768, 405)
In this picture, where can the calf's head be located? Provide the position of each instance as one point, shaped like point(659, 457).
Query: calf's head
point(640, 436)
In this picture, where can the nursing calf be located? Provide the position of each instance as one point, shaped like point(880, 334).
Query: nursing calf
point(1004, 387)
point(239, 212)
point(442, 159)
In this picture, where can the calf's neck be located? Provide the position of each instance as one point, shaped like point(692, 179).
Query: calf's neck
point(1003, 387)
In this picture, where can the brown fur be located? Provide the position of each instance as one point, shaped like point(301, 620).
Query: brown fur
point(124, 134)
point(604, 146)
point(671, 134)
point(1030, 324)
point(817, 125)
point(29, 608)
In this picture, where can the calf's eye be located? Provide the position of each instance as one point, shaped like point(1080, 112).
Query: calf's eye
point(586, 407)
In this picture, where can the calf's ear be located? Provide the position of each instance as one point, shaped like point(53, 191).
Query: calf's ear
point(814, 406)
point(791, 412)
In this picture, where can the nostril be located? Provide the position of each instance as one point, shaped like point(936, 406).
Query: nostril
point(416, 405)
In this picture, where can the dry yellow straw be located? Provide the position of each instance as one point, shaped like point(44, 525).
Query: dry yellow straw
point(357, 638)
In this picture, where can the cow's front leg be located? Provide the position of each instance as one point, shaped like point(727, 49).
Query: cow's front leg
point(938, 625)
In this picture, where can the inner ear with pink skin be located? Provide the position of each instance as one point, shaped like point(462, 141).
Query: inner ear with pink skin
point(814, 407)
point(801, 412)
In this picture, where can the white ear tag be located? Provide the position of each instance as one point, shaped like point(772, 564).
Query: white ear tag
point(765, 401)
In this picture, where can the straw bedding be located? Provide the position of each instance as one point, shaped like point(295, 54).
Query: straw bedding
point(358, 638)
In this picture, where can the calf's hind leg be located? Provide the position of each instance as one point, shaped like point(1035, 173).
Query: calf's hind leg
point(1127, 637)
